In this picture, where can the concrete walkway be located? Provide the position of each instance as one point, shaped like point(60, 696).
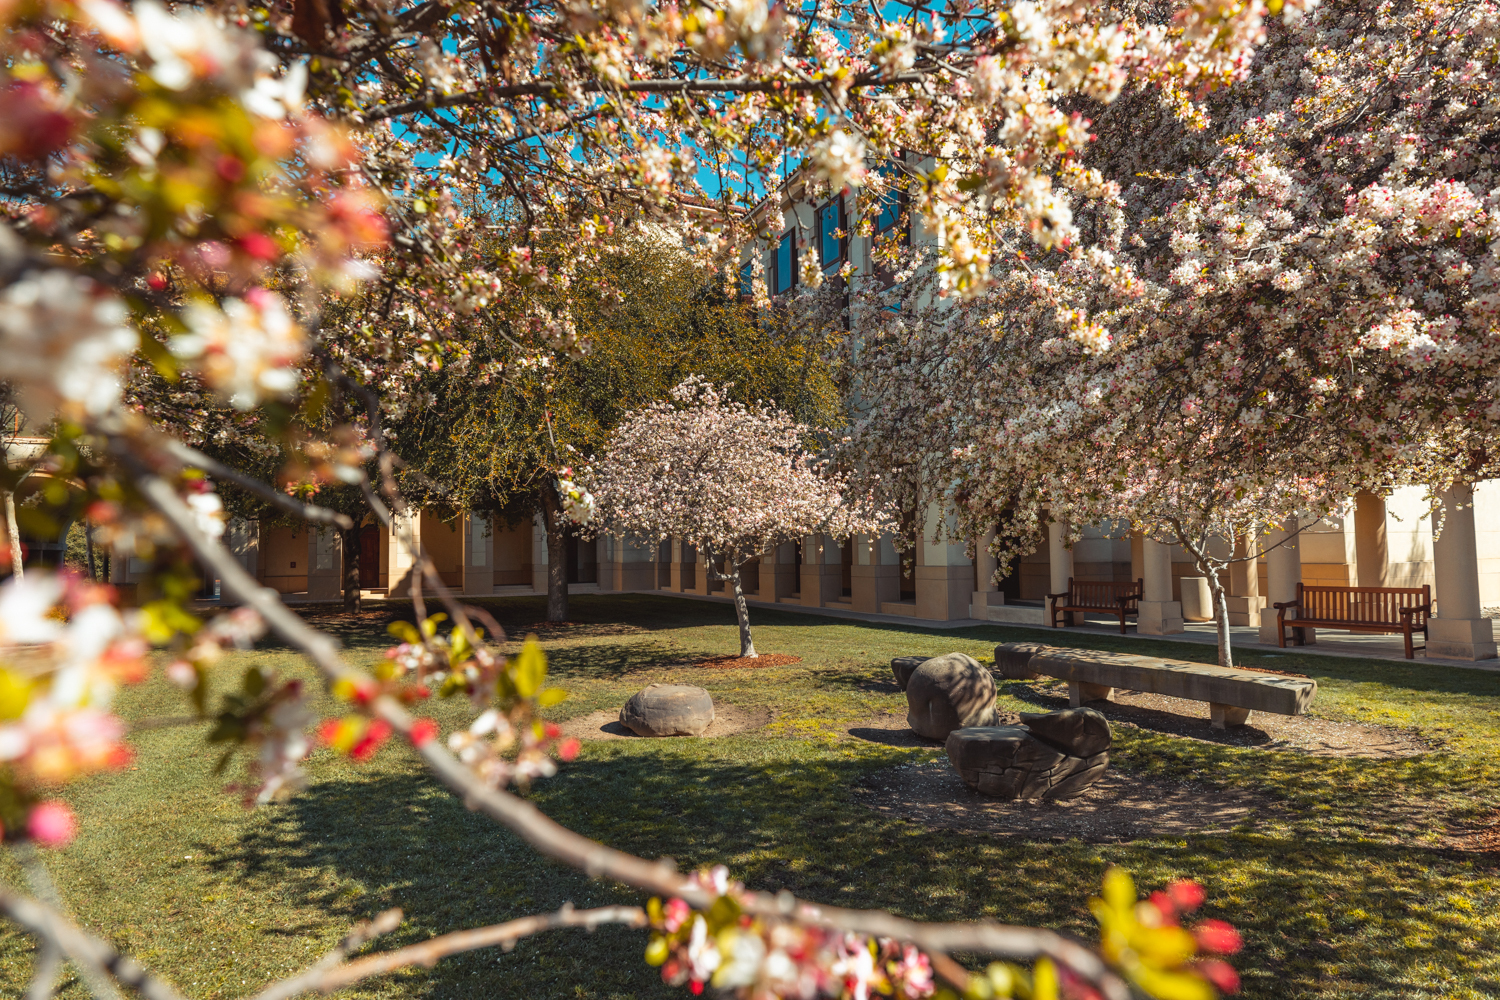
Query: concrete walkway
point(1242, 637)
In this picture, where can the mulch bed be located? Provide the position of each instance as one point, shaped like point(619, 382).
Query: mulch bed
point(1307, 734)
point(1116, 808)
point(728, 720)
point(736, 662)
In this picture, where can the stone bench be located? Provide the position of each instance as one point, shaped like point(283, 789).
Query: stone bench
point(1231, 694)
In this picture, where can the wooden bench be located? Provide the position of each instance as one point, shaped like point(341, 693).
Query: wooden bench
point(1402, 610)
point(1104, 597)
point(1232, 694)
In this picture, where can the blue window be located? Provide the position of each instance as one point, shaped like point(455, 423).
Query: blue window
point(747, 285)
point(830, 246)
point(786, 263)
point(890, 202)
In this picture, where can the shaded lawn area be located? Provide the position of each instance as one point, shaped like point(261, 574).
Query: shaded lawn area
point(1348, 890)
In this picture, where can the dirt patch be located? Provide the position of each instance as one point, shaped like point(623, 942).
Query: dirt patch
point(572, 630)
point(738, 662)
point(1482, 836)
point(1117, 807)
point(605, 725)
point(1307, 734)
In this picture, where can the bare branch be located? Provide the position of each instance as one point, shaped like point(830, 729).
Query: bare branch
point(430, 951)
point(308, 512)
point(94, 956)
point(313, 977)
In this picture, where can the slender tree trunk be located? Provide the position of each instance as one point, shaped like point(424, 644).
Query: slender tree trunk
point(557, 554)
point(741, 610)
point(13, 533)
point(351, 540)
point(88, 537)
point(1221, 617)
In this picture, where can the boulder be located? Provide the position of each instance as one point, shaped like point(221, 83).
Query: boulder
point(1008, 762)
point(1078, 732)
point(668, 710)
point(904, 666)
point(947, 693)
point(1013, 660)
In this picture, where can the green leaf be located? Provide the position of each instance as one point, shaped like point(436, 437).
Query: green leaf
point(254, 682)
point(406, 632)
point(430, 626)
point(529, 668)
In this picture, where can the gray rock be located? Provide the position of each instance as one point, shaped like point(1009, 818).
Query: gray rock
point(947, 693)
point(668, 710)
point(1007, 762)
point(904, 666)
point(1078, 732)
point(1013, 660)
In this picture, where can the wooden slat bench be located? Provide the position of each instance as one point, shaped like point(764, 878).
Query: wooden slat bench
point(1231, 694)
point(1401, 610)
point(1104, 597)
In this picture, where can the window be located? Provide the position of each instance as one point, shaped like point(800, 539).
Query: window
point(747, 284)
point(830, 246)
point(786, 264)
point(889, 206)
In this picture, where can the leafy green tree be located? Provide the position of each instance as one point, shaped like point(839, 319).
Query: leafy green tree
point(498, 423)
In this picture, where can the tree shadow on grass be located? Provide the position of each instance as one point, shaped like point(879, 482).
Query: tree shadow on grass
point(1321, 913)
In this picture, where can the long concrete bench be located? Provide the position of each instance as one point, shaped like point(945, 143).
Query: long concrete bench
point(1092, 675)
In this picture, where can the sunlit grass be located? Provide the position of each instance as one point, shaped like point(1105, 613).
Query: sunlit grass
point(1345, 891)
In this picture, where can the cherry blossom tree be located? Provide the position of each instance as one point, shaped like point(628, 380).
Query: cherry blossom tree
point(731, 478)
point(1281, 295)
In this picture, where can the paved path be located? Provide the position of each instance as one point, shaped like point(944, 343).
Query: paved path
point(1246, 637)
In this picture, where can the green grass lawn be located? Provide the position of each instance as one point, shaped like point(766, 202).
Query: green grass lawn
point(1346, 891)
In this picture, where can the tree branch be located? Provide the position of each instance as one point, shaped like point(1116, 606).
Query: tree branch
point(308, 512)
point(92, 954)
point(430, 951)
point(312, 977)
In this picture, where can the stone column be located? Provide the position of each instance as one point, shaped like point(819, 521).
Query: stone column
point(822, 570)
point(479, 554)
point(632, 564)
point(985, 593)
point(944, 574)
point(1243, 598)
point(1160, 615)
point(876, 576)
point(679, 583)
point(1283, 573)
point(1059, 555)
point(1460, 630)
point(1371, 553)
point(538, 554)
point(324, 565)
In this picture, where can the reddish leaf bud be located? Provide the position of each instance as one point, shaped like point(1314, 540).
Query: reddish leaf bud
point(1186, 895)
point(423, 731)
point(1221, 974)
point(1219, 937)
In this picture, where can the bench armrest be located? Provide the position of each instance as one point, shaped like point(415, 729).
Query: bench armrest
point(1282, 605)
point(1053, 597)
point(1425, 608)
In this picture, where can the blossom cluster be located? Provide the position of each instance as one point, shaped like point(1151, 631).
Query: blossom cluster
point(733, 947)
point(64, 651)
point(760, 958)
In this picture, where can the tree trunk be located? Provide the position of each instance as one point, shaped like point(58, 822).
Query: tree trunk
point(1221, 615)
point(741, 610)
point(88, 537)
point(557, 554)
point(13, 534)
point(350, 537)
